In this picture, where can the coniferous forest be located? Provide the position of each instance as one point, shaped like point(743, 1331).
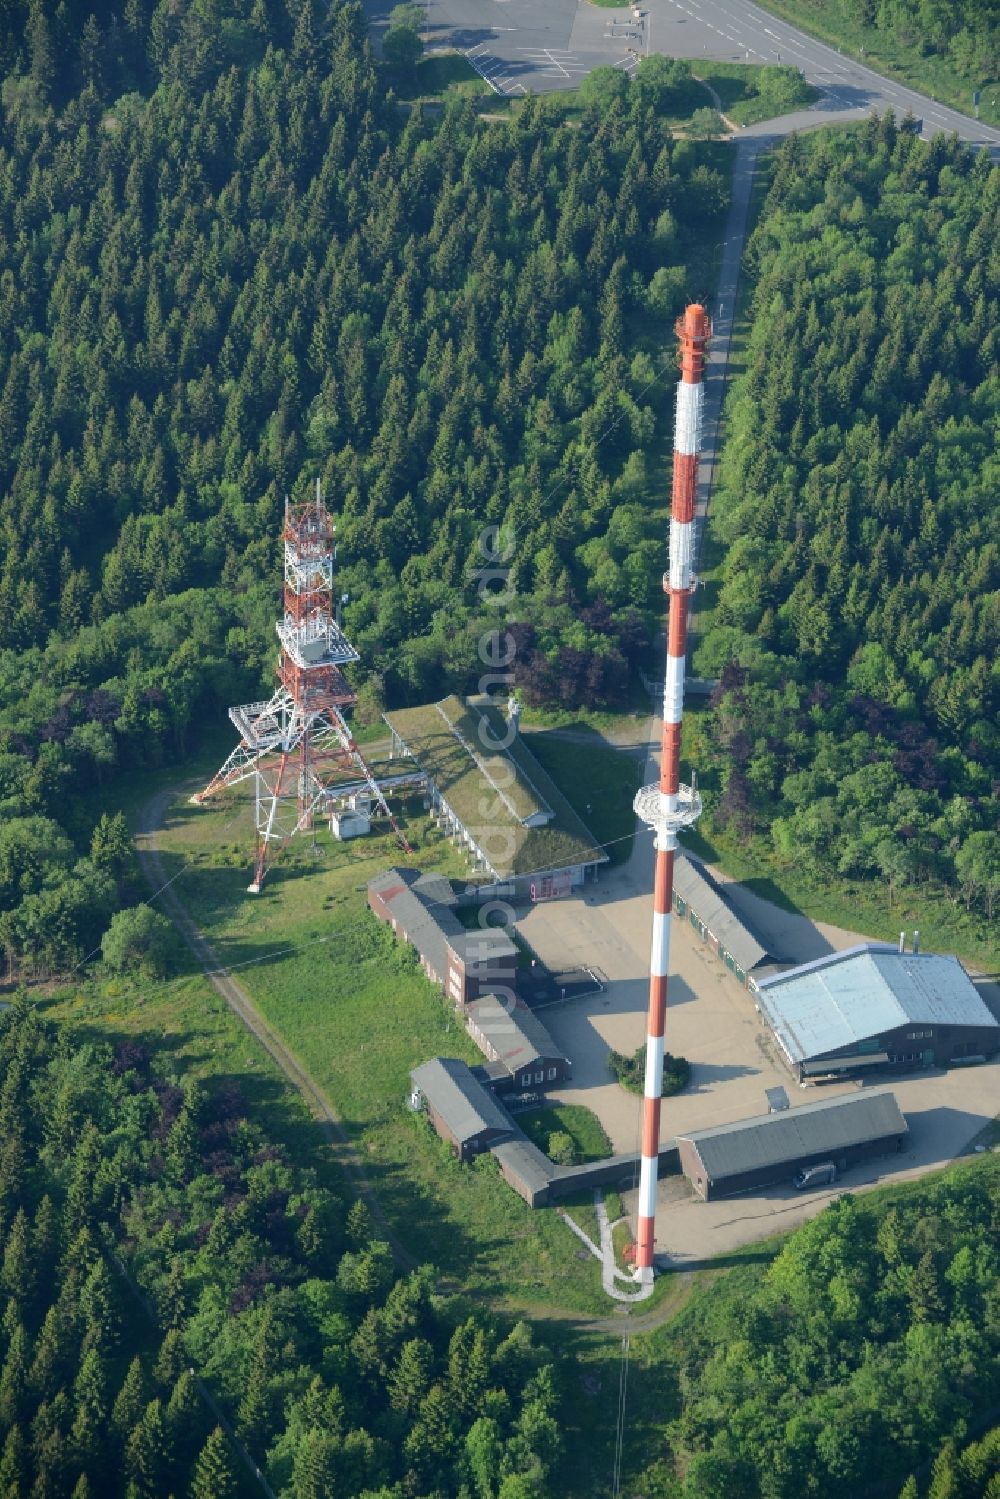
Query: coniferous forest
point(856, 628)
point(231, 264)
point(151, 1236)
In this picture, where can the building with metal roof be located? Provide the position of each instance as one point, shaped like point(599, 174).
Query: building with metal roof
point(770, 1148)
point(512, 1036)
point(461, 1110)
point(486, 787)
point(875, 1007)
point(699, 898)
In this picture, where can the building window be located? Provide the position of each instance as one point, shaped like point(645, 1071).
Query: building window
point(552, 1073)
point(525, 1079)
point(540, 1076)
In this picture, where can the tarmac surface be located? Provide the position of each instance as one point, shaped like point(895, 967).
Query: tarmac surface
point(521, 46)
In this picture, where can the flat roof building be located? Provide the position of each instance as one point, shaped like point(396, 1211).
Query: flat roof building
point(873, 1007)
point(489, 791)
point(461, 1110)
point(510, 1035)
point(770, 1148)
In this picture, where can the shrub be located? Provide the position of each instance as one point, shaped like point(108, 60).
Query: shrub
point(631, 1071)
point(561, 1148)
point(139, 940)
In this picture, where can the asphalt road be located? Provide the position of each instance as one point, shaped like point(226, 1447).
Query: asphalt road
point(521, 46)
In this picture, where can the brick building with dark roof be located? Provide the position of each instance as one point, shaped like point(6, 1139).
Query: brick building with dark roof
point(461, 1109)
point(770, 1148)
point(422, 910)
point(516, 1042)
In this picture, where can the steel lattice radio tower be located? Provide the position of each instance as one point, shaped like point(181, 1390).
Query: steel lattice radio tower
point(667, 806)
point(293, 743)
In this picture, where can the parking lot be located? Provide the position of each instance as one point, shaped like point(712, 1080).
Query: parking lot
point(712, 1021)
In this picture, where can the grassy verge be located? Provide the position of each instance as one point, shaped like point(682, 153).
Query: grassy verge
point(621, 1238)
point(590, 1143)
point(599, 783)
point(749, 92)
point(887, 53)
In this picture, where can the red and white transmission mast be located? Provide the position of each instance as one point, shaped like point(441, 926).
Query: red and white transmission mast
point(293, 743)
point(667, 806)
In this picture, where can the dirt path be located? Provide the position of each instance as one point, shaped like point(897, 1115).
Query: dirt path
point(243, 1007)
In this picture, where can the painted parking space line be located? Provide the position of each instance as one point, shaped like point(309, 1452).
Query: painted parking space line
point(554, 62)
point(486, 65)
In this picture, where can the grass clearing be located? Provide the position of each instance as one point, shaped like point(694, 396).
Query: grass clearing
point(444, 72)
point(750, 92)
point(854, 905)
point(356, 1009)
point(581, 1124)
point(621, 1238)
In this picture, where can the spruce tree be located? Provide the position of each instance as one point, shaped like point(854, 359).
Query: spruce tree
point(90, 1395)
point(13, 1462)
point(214, 1476)
point(129, 1402)
point(17, 1274)
point(14, 1379)
point(98, 1309)
point(146, 1452)
point(171, 1361)
point(360, 1228)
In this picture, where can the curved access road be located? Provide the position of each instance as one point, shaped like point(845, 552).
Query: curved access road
point(739, 31)
point(239, 1001)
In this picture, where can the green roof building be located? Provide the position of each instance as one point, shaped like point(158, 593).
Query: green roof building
point(490, 793)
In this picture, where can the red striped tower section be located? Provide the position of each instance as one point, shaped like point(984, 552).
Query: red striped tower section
point(667, 806)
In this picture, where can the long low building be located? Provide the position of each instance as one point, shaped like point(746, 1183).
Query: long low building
point(770, 1148)
point(461, 1109)
point(487, 789)
point(422, 910)
point(703, 902)
point(875, 1008)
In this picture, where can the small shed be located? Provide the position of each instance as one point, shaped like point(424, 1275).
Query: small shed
point(770, 1148)
point(345, 824)
point(461, 1110)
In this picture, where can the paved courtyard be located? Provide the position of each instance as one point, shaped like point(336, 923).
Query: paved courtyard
point(712, 1021)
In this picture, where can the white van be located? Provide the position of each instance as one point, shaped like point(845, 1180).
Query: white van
point(815, 1176)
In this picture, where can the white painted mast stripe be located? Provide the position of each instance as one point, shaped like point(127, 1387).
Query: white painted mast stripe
point(690, 407)
point(660, 957)
point(647, 1188)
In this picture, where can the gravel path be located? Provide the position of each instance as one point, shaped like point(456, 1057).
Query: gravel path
point(239, 1001)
